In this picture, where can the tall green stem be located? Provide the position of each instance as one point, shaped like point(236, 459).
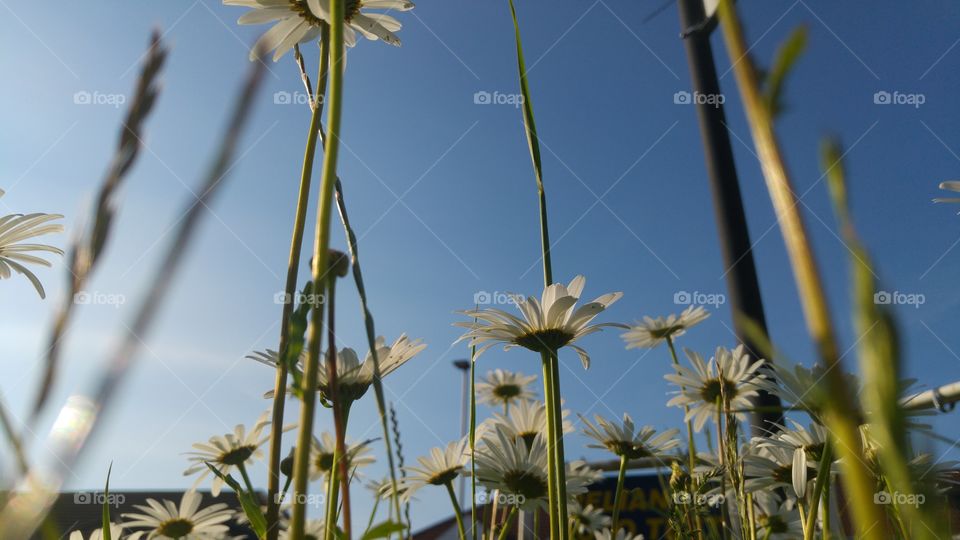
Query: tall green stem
point(457, 512)
point(371, 343)
point(551, 455)
point(473, 442)
point(819, 487)
point(290, 289)
point(621, 476)
point(320, 265)
point(691, 445)
point(340, 411)
point(506, 524)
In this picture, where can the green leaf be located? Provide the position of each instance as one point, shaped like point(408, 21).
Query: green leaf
point(106, 506)
point(531, 127)
point(783, 63)
point(250, 506)
point(295, 338)
point(383, 530)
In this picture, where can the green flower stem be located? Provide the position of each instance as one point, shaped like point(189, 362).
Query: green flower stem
point(340, 412)
point(621, 477)
point(246, 479)
point(320, 266)
point(551, 455)
point(561, 480)
point(373, 513)
point(456, 511)
point(473, 442)
point(691, 445)
point(506, 524)
point(333, 499)
point(290, 288)
point(371, 343)
point(819, 492)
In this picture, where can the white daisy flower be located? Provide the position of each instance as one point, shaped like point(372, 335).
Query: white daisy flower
point(501, 388)
point(622, 534)
point(769, 466)
point(525, 420)
point(547, 325)
point(322, 450)
point(950, 185)
point(372, 26)
point(626, 441)
point(587, 520)
point(729, 374)
point(14, 229)
point(652, 332)
point(515, 469)
point(777, 520)
point(353, 377)
point(299, 21)
point(440, 468)
point(579, 476)
point(229, 451)
point(115, 532)
point(184, 522)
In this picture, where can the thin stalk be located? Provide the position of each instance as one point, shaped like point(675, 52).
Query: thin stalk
point(802, 508)
point(333, 500)
point(551, 455)
point(751, 517)
point(691, 444)
point(340, 411)
point(558, 447)
point(841, 413)
point(246, 479)
point(320, 265)
point(290, 289)
point(301, 462)
point(506, 524)
point(819, 490)
point(373, 513)
point(371, 343)
point(473, 442)
point(456, 511)
point(621, 476)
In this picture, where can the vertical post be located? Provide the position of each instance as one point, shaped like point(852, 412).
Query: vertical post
point(741, 275)
point(464, 367)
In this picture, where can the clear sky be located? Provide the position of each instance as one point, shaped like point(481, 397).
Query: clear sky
point(442, 194)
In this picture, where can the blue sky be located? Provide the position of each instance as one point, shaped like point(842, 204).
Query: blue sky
point(441, 192)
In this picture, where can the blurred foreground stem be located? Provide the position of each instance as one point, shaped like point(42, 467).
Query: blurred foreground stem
point(841, 415)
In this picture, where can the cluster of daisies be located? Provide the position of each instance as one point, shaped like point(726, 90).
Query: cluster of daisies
point(766, 483)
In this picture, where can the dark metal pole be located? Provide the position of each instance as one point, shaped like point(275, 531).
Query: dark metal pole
point(741, 276)
point(464, 367)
